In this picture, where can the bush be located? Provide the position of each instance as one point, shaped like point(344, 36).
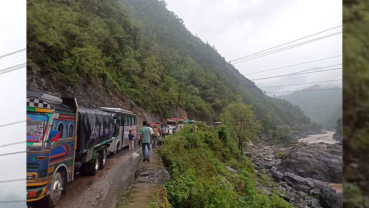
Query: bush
point(196, 162)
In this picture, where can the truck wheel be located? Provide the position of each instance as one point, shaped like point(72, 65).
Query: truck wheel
point(94, 166)
point(103, 157)
point(56, 190)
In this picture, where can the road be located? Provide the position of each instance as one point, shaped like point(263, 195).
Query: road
point(103, 189)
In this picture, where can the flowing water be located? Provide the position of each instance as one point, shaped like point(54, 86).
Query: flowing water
point(317, 138)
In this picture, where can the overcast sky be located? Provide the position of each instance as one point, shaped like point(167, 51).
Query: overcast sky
point(12, 100)
point(238, 28)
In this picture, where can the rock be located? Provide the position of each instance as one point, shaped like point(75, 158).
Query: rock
point(278, 176)
point(298, 183)
point(314, 161)
point(143, 174)
point(330, 199)
point(248, 154)
point(267, 166)
point(315, 203)
point(314, 192)
point(231, 169)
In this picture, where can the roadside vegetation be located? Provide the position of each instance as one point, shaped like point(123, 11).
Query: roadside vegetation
point(207, 170)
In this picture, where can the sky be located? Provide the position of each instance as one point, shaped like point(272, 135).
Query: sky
point(12, 101)
point(241, 27)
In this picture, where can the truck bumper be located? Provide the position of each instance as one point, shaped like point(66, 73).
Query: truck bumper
point(35, 194)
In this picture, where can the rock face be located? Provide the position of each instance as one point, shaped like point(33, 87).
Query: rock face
point(317, 161)
point(300, 171)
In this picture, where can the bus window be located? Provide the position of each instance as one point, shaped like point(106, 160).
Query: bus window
point(125, 121)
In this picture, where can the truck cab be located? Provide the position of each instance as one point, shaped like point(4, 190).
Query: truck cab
point(51, 137)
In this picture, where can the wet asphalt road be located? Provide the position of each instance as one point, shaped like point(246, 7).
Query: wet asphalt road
point(103, 189)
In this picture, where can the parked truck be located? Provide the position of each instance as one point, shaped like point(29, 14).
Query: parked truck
point(62, 140)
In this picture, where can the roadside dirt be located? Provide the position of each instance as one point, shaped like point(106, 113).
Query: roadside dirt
point(150, 177)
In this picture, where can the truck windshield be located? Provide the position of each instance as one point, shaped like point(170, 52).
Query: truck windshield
point(36, 126)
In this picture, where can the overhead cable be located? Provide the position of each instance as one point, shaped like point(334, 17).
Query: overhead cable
point(12, 68)
point(12, 153)
point(293, 65)
point(306, 90)
point(13, 180)
point(285, 43)
point(285, 48)
point(302, 83)
point(11, 144)
point(12, 123)
point(11, 53)
point(286, 75)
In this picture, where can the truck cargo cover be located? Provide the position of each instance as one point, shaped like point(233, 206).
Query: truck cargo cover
point(94, 127)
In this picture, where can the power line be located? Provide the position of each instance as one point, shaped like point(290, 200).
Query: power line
point(306, 90)
point(286, 48)
point(286, 75)
point(293, 65)
point(10, 144)
point(13, 201)
point(11, 53)
point(12, 68)
point(285, 43)
point(12, 123)
point(303, 83)
point(13, 180)
point(12, 153)
point(299, 72)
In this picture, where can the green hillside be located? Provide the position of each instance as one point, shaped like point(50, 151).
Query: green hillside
point(356, 103)
point(144, 51)
point(323, 107)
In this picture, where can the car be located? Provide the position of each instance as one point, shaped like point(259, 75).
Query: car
point(171, 129)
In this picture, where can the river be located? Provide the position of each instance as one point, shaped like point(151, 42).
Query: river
point(317, 138)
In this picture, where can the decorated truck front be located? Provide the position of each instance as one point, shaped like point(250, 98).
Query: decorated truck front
point(62, 140)
point(51, 130)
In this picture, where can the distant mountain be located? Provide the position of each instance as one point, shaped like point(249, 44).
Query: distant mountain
point(323, 107)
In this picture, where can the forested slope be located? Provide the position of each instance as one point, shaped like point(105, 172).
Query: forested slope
point(356, 102)
point(139, 49)
point(323, 107)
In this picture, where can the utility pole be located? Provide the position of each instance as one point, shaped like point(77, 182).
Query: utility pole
point(179, 97)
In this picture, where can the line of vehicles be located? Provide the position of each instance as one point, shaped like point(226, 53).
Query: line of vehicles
point(64, 139)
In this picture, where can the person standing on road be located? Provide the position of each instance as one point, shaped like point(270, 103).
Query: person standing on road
point(131, 140)
point(145, 138)
point(155, 135)
point(163, 131)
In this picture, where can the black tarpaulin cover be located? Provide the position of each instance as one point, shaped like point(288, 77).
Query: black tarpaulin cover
point(94, 127)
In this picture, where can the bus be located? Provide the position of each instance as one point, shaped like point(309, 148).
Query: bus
point(125, 121)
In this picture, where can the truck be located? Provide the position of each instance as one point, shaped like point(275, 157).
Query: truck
point(63, 139)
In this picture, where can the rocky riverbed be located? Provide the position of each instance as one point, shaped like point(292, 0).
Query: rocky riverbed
point(307, 174)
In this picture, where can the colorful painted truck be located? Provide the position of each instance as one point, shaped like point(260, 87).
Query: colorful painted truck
point(125, 121)
point(62, 140)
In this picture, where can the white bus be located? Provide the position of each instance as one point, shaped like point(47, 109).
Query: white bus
point(125, 121)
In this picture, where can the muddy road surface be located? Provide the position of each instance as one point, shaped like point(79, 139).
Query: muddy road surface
point(103, 189)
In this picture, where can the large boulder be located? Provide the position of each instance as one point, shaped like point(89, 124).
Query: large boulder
point(330, 199)
point(320, 162)
point(298, 183)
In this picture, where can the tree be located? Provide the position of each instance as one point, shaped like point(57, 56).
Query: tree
point(240, 120)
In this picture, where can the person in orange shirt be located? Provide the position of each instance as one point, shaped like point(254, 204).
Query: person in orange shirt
point(155, 135)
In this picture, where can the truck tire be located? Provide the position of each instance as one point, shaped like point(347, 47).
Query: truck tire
point(56, 187)
point(93, 167)
point(103, 157)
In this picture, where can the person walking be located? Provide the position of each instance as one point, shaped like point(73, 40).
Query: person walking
point(163, 131)
point(131, 138)
point(145, 139)
point(155, 135)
